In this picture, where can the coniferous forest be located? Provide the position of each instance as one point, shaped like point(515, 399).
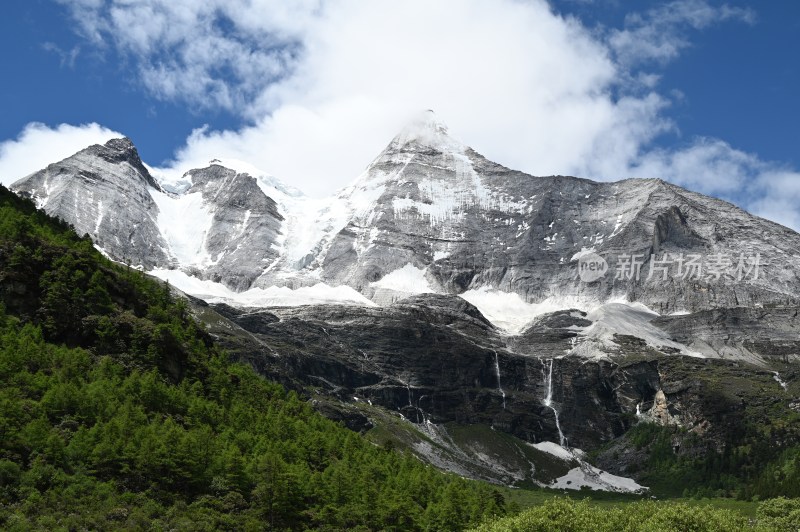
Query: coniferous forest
point(119, 412)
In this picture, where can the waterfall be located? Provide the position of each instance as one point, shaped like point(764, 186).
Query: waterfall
point(424, 419)
point(548, 402)
point(497, 372)
point(410, 402)
point(777, 377)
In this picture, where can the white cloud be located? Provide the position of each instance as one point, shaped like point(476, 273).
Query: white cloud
point(713, 167)
point(211, 54)
point(525, 87)
point(324, 85)
point(660, 33)
point(710, 166)
point(777, 196)
point(39, 145)
point(66, 57)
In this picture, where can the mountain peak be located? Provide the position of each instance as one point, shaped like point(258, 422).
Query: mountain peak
point(426, 130)
point(120, 144)
point(118, 150)
point(122, 149)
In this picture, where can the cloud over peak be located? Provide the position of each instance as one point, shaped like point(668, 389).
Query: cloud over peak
point(321, 86)
point(39, 145)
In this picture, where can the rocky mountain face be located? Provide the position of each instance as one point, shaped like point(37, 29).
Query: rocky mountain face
point(463, 222)
point(221, 226)
point(541, 309)
point(242, 235)
point(430, 215)
point(436, 364)
point(105, 192)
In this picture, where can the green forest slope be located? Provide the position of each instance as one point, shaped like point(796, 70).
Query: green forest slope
point(117, 411)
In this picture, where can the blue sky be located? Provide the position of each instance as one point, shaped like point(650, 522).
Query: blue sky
point(702, 93)
point(45, 83)
point(739, 81)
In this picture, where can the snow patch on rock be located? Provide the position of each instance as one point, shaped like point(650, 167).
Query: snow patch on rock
point(319, 294)
point(553, 448)
point(509, 312)
point(184, 222)
point(585, 474)
point(408, 279)
point(596, 479)
point(623, 317)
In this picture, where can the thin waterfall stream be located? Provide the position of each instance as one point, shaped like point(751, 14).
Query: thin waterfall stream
point(497, 372)
point(548, 402)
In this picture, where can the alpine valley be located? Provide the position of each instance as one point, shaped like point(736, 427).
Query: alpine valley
point(438, 304)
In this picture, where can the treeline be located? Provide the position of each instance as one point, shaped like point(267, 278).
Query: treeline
point(762, 462)
point(117, 411)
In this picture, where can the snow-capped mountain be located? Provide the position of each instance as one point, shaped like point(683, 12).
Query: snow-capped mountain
point(223, 227)
point(107, 193)
point(434, 215)
point(428, 215)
